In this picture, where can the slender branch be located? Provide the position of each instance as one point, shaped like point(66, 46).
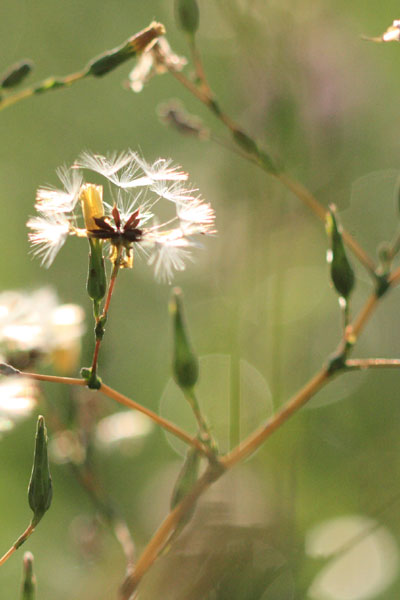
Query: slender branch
point(201, 421)
point(165, 530)
point(54, 378)
point(353, 330)
point(51, 83)
point(372, 363)
point(394, 277)
point(250, 445)
point(198, 64)
point(22, 538)
point(294, 186)
point(244, 450)
point(111, 393)
point(171, 427)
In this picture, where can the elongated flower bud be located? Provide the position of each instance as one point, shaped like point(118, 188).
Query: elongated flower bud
point(135, 45)
point(187, 15)
point(96, 284)
point(342, 273)
point(185, 363)
point(29, 579)
point(91, 197)
point(40, 490)
point(16, 74)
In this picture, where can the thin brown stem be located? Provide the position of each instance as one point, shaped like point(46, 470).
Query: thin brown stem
point(165, 530)
point(164, 423)
point(121, 399)
point(31, 91)
point(243, 450)
point(372, 363)
point(54, 378)
point(394, 277)
point(201, 422)
point(198, 65)
point(294, 186)
point(354, 329)
point(254, 441)
point(22, 538)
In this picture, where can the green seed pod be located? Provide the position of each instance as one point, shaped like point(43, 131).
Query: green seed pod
point(40, 490)
point(185, 364)
point(16, 74)
point(187, 15)
point(245, 142)
point(187, 477)
point(96, 284)
point(342, 273)
point(29, 579)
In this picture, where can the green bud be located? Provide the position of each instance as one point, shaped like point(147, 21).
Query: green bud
point(29, 579)
point(187, 15)
point(245, 142)
point(96, 284)
point(185, 363)
point(93, 380)
point(187, 477)
point(40, 490)
point(16, 74)
point(135, 45)
point(342, 273)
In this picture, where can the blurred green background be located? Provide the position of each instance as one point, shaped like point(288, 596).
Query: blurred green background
point(298, 77)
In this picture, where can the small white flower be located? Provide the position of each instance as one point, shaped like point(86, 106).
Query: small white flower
point(35, 326)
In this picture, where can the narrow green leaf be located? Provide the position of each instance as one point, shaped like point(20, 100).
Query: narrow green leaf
point(185, 363)
point(342, 273)
point(40, 490)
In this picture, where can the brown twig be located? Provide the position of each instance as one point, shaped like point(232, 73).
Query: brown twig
point(242, 451)
point(372, 363)
point(167, 425)
point(22, 538)
point(294, 186)
point(122, 399)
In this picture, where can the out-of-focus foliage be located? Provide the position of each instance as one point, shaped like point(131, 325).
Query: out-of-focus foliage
point(299, 78)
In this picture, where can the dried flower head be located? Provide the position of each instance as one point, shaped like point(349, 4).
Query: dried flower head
point(128, 221)
point(158, 59)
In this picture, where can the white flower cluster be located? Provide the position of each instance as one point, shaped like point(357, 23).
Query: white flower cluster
point(128, 221)
point(37, 321)
point(34, 327)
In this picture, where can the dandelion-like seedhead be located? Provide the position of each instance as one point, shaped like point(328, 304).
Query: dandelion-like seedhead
point(128, 221)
